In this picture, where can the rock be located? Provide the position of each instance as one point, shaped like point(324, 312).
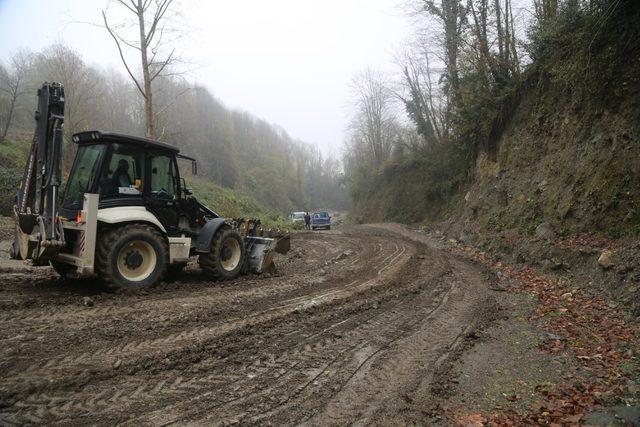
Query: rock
point(557, 265)
point(344, 255)
point(117, 364)
point(467, 196)
point(607, 259)
point(87, 302)
point(629, 216)
point(624, 269)
point(618, 415)
point(549, 336)
point(463, 238)
point(544, 230)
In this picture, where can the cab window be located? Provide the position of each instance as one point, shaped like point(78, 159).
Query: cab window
point(82, 176)
point(124, 174)
point(164, 178)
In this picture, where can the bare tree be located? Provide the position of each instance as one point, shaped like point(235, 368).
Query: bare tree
point(452, 14)
point(422, 98)
point(62, 64)
point(545, 9)
point(154, 20)
point(375, 120)
point(13, 85)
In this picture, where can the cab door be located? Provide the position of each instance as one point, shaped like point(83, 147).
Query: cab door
point(163, 192)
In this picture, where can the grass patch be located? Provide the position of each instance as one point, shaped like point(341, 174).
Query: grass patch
point(13, 154)
point(6, 223)
point(232, 204)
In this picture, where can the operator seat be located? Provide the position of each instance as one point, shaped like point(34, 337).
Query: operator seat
point(121, 176)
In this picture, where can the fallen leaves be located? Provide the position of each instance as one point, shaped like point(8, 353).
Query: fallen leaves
point(585, 328)
point(473, 420)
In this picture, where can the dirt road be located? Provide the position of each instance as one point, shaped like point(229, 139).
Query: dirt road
point(360, 325)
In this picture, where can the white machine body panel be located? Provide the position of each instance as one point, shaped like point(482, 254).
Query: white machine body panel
point(84, 247)
point(128, 214)
point(179, 249)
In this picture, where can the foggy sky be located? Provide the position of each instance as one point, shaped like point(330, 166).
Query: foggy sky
point(287, 61)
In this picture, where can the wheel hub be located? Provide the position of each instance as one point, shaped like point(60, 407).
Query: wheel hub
point(230, 254)
point(133, 260)
point(136, 260)
point(225, 253)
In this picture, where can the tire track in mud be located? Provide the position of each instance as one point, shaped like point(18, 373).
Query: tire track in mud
point(43, 372)
point(165, 309)
point(106, 355)
point(300, 356)
point(28, 317)
point(311, 350)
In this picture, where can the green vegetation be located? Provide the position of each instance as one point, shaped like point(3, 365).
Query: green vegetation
point(13, 153)
point(235, 150)
point(231, 204)
point(12, 157)
point(507, 143)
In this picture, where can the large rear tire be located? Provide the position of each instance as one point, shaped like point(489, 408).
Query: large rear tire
point(227, 255)
point(133, 256)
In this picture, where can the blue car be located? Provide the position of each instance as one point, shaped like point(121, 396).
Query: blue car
point(321, 219)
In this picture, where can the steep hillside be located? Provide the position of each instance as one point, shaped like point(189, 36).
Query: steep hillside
point(574, 165)
point(562, 150)
point(568, 153)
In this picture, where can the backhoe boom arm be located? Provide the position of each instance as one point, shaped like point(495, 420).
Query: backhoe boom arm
point(37, 227)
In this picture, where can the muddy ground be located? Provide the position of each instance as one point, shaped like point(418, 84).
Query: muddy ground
point(359, 324)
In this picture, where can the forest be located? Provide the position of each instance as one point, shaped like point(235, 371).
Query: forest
point(235, 149)
point(494, 99)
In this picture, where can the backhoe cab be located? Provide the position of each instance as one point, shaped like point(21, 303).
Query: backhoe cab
point(126, 214)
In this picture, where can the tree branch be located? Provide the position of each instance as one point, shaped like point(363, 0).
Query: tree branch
point(164, 64)
point(157, 17)
point(124, 61)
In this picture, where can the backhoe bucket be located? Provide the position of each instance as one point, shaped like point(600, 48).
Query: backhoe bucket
point(259, 253)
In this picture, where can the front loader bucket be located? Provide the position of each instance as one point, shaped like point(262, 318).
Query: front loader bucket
point(259, 253)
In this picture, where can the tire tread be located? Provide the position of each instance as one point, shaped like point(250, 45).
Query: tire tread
point(108, 240)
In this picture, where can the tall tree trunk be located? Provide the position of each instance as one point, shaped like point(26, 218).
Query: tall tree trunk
point(500, 35)
point(507, 36)
point(12, 106)
point(514, 50)
point(451, 10)
point(146, 74)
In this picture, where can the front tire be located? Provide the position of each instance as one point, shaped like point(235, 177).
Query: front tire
point(133, 256)
point(227, 255)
